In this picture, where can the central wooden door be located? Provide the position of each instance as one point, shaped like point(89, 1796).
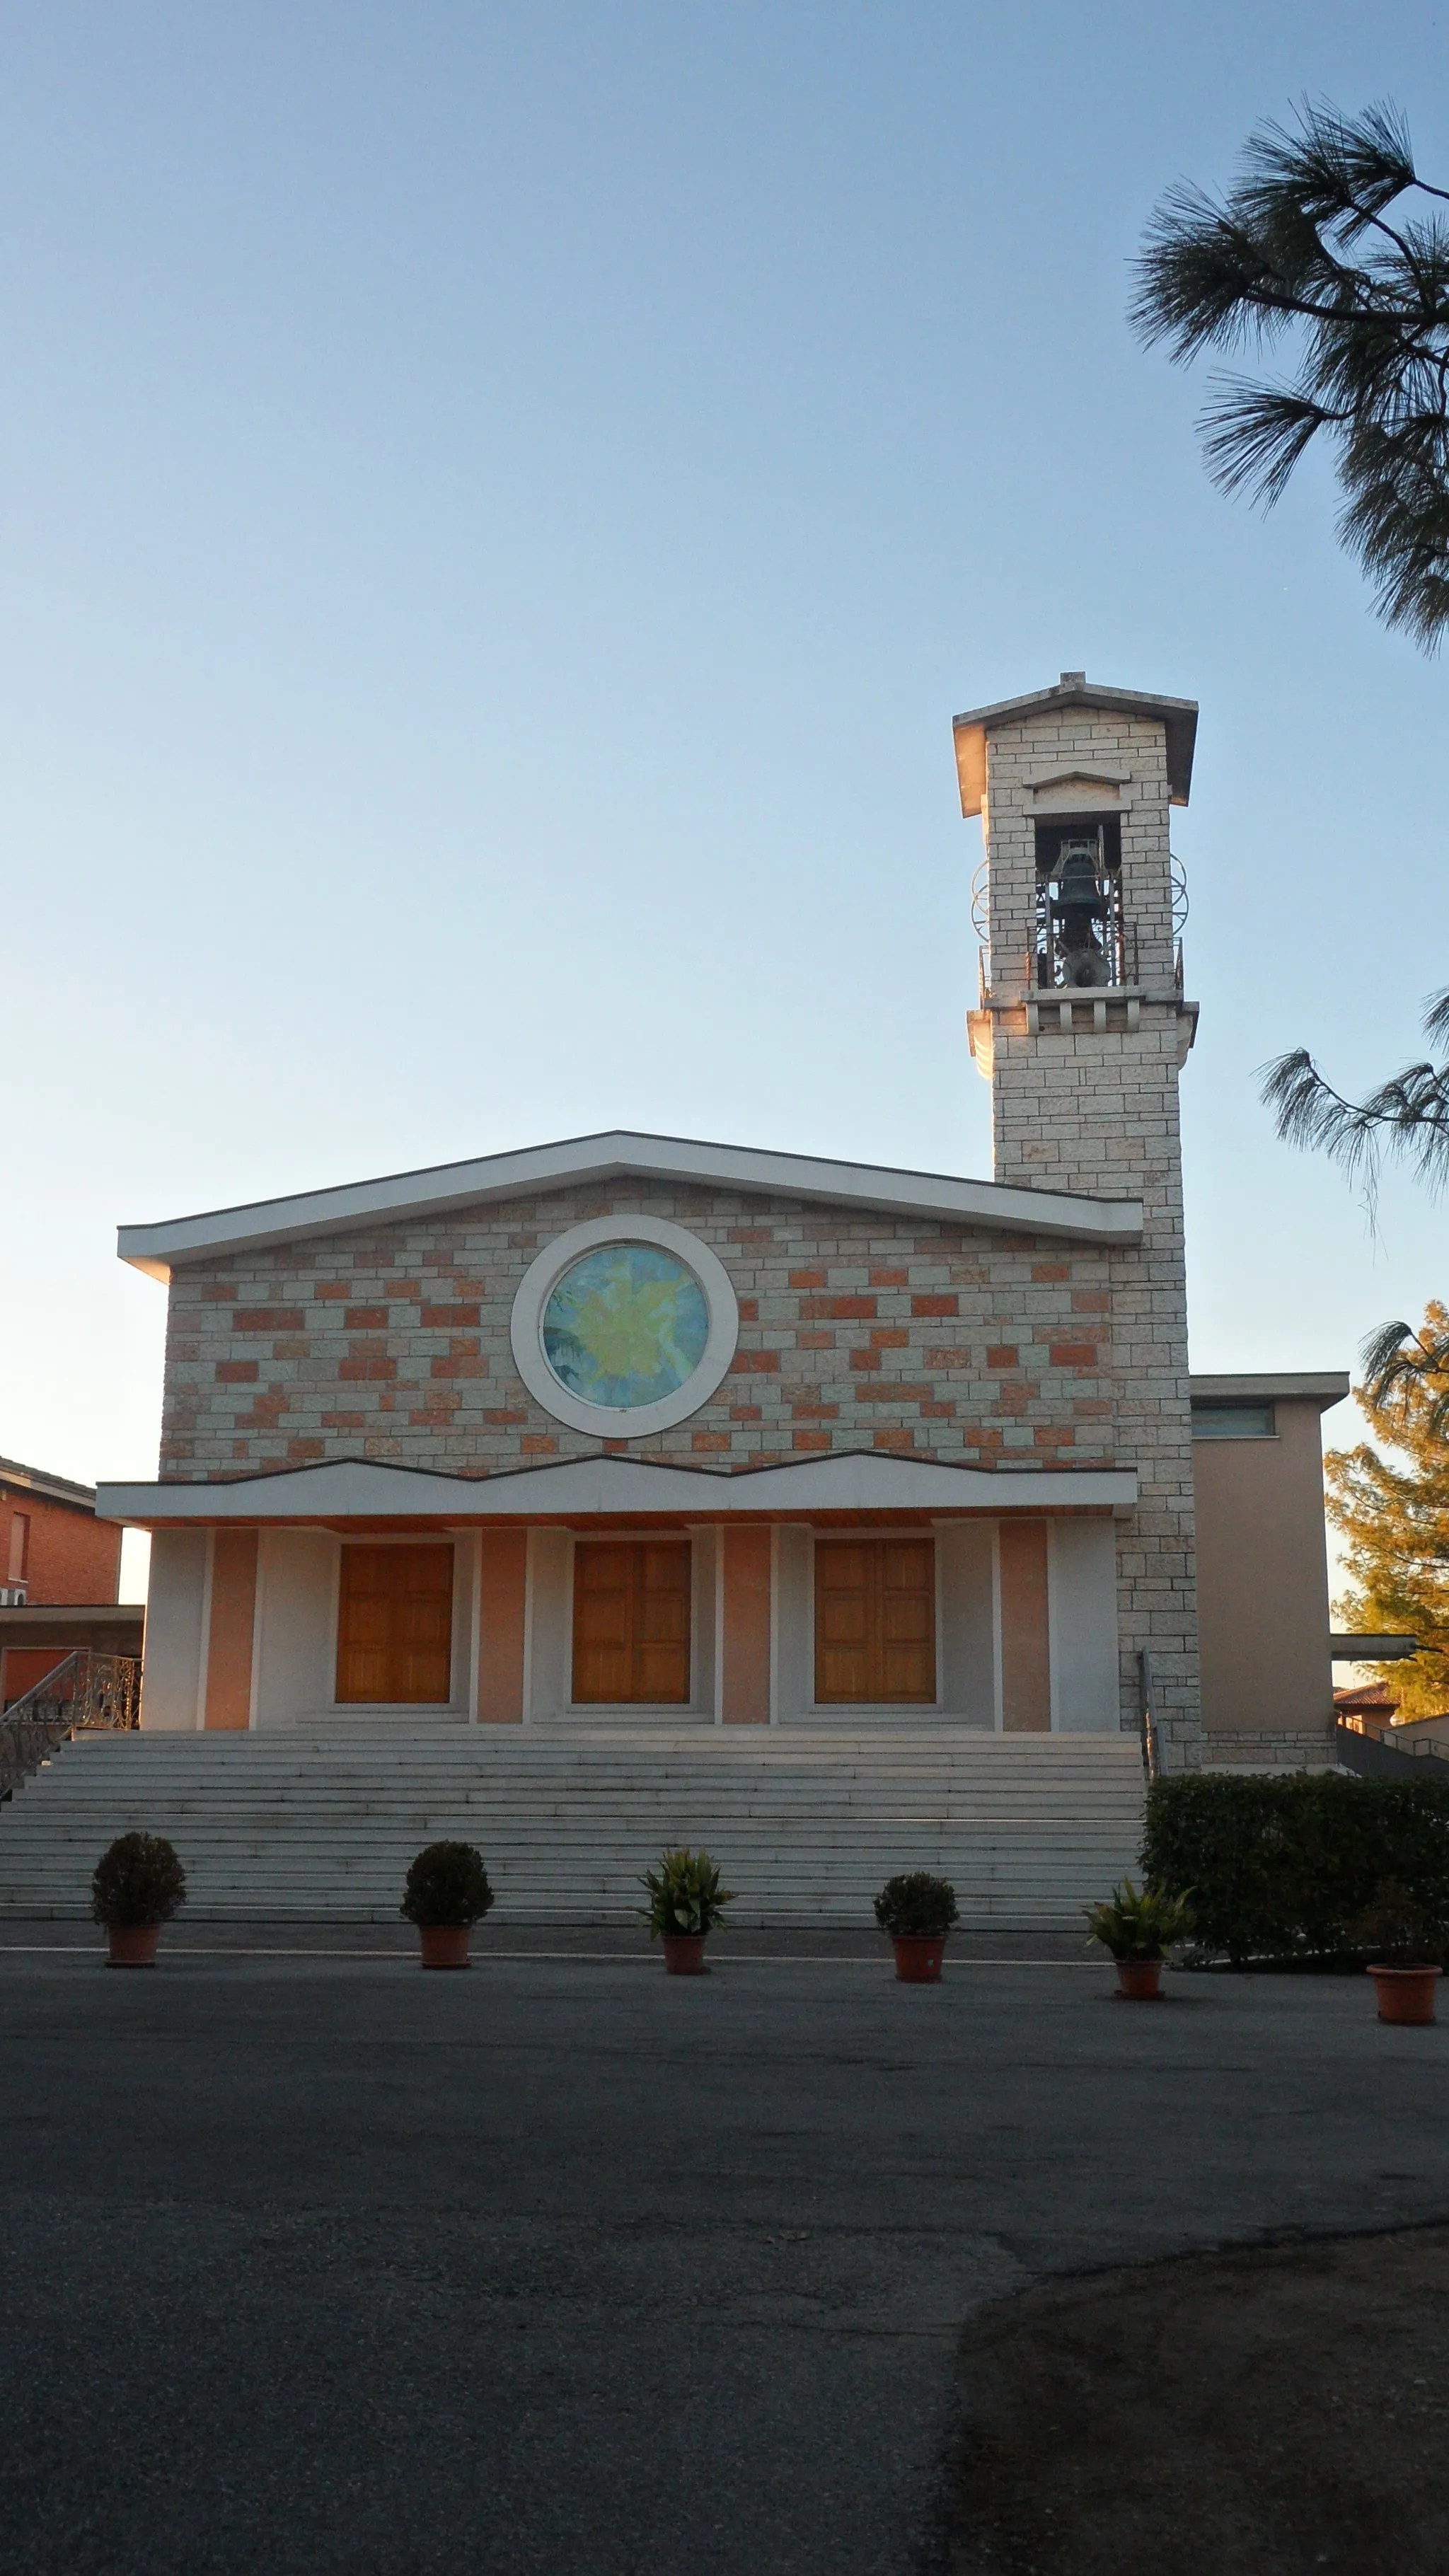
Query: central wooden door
point(395, 1625)
point(631, 1622)
point(875, 1621)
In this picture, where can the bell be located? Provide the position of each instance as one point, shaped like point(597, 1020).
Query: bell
point(1085, 967)
point(1078, 888)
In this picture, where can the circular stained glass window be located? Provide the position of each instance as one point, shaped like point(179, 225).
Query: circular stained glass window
point(625, 1326)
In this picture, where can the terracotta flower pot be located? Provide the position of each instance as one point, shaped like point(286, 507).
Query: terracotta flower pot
point(444, 1945)
point(132, 1945)
point(1140, 1980)
point(918, 1957)
point(1405, 1994)
point(684, 1954)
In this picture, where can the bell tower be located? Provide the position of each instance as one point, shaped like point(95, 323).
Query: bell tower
point(1082, 1030)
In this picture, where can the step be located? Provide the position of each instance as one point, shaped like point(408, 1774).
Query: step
point(320, 1823)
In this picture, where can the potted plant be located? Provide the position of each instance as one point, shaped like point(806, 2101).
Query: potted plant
point(136, 1887)
point(686, 1901)
point(1411, 1941)
point(446, 1893)
point(1137, 1924)
point(917, 1910)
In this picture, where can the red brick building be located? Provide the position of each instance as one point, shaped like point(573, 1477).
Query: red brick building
point(59, 1578)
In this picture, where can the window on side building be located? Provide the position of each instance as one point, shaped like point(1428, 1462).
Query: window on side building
point(395, 1625)
point(631, 1622)
point(1218, 1418)
point(875, 1621)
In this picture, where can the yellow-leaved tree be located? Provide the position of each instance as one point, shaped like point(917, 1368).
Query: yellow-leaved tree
point(1393, 1514)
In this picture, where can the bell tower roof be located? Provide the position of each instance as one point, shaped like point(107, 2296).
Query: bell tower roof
point(1177, 716)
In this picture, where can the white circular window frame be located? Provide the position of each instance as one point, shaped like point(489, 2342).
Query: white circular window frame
point(623, 1421)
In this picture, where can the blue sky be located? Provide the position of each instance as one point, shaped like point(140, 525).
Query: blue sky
point(500, 505)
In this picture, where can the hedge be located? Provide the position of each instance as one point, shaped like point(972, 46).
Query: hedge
point(1280, 1867)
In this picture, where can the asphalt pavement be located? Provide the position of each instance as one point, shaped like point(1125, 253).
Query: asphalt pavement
point(315, 2262)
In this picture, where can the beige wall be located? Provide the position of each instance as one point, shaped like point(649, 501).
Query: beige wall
point(1262, 1592)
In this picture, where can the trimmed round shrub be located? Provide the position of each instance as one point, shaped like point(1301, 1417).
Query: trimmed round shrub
point(138, 1881)
point(916, 1903)
point(447, 1884)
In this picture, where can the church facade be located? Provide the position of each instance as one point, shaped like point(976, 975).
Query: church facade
point(635, 1431)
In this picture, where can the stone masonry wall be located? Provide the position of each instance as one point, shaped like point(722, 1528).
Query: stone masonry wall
point(857, 1331)
point(1097, 1112)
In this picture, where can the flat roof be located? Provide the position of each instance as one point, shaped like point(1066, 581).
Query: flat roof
point(1323, 1387)
point(616, 1155)
point(1177, 716)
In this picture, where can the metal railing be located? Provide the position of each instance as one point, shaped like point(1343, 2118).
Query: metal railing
point(84, 1693)
point(1146, 1694)
point(1394, 1739)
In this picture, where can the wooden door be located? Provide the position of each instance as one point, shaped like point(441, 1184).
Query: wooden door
point(875, 1621)
point(631, 1622)
point(395, 1625)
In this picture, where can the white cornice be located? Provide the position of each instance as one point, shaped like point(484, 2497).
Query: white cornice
point(621, 1156)
point(578, 1488)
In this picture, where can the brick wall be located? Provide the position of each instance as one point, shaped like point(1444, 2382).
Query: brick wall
point(73, 1556)
point(857, 1331)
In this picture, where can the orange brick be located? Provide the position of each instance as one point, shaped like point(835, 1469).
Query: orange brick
point(808, 1341)
point(437, 1316)
point(809, 1279)
point(888, 1390)
point(332, 1291)
point(755, 1364)
point(1091, 1301)
point(936, 1303)
point(938, 1412)
point(301, 1453)
point(268, 1319)
point(344, 1421)
point(457, 1368)
point(808, 1412)
point(540, 1444)
point(890, 1278)
point(749, 1310)
point(890, 1337)
point(1001, 1355)
point(711, 1440)
point(746, 1413)
point(1054, 1435)
point(236, 1372)
point(1074, 1355)
point(504, 1419)
point(895, 1440)
point(838, 1309)
point(218, 1292)
point(865, 1359)
point(1051, 1270)
point(812, 1440)
point(372, 1368)
point(366, 1319)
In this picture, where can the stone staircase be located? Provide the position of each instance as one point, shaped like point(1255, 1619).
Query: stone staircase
point(321, 1821)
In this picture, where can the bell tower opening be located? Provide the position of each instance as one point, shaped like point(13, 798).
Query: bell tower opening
point(1082, 938)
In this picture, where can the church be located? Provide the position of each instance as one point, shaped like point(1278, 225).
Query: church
point(796, 1471)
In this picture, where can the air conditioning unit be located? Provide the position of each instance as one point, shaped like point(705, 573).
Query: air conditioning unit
point(12, 1596)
